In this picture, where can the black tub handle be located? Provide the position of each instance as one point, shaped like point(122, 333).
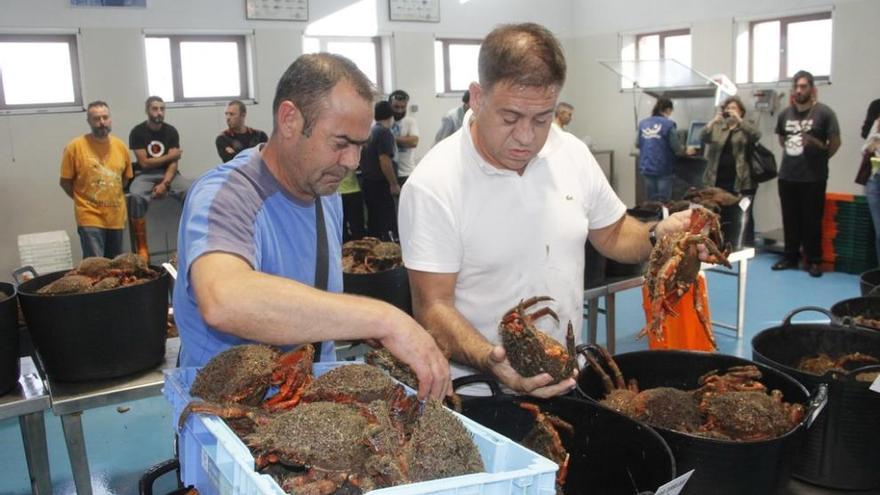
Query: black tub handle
point(787, 320)
point(21, 275)
point(478, 378)
point(817, 404)
point(875, 292)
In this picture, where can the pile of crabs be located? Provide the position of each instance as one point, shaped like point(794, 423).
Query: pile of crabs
point(733, 405)
point(822, 363)
point(351, 430)
point(95, 274)
point(370, 255)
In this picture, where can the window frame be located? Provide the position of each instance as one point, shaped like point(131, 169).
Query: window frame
point(174, 41)
point(72, 40)
point(444, 46)
point(377, 46)
point(663, 35)
point(784, 21)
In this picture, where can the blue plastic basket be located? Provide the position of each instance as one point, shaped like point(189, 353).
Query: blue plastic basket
point(215, 461)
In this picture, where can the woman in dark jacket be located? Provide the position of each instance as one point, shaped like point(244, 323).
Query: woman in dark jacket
point(728, 138)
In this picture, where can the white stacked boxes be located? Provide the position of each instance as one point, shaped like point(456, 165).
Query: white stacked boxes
point(45, 251)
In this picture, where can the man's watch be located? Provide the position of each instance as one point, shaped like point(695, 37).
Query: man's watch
point(652, 235)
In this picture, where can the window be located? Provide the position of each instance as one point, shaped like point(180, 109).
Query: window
point(455, 64)
point(53, 82)
point(642, 58)
point(189, 68)
point(365, 52)
point(771, 50)
point(667, 44)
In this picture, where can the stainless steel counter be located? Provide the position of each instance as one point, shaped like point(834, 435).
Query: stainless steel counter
point(27, 402)
point(70, 400)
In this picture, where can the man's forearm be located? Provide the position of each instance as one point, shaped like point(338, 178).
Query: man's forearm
point(408, 141)
point(625, 241)
point(454, 334)
point(169, 173)
point(387, 170)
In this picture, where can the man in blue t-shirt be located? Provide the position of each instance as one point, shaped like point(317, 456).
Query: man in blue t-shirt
point(251, 231)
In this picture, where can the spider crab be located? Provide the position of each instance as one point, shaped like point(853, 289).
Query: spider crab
point(370, 255)
point(242, 375)
point(673, 267)
point(95, 274)
point(544, 439)
point(531, 351)
point(822, 363)
point(665, 407)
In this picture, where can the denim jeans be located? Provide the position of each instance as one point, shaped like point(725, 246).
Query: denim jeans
point(96, 241)
point(872, 192)
point(658, 187)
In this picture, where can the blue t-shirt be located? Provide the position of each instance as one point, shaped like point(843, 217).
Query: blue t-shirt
point(240, 208)
point(656, 156)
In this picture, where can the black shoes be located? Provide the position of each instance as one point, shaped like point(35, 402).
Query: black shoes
point(814, 270)
point(785, 264)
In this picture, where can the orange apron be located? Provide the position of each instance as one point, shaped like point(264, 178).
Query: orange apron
point(685, 330)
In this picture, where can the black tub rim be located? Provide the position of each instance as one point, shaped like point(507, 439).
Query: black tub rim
point(837, 311)
point(833, 325)
point(813, 404)
point(497, 394)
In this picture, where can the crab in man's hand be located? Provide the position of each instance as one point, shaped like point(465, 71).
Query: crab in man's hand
point(531, 351)
point(674, 266)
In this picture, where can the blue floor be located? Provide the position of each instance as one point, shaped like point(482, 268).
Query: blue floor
point(123, 441)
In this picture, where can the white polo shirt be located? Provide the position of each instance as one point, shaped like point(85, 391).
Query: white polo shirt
point(508, 237)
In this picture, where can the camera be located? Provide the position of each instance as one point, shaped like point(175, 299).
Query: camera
point(725, 114)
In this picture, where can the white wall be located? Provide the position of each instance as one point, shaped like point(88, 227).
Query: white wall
point(114, 70)
point(113, 67)
point(606, 114)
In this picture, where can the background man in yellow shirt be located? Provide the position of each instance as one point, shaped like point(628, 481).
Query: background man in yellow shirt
point(94, 169)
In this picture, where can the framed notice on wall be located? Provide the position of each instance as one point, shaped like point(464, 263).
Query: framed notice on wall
point(278, 10)
point(414, 10)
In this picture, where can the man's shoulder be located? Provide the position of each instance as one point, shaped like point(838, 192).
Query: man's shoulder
point(115, 141)
point(138, 129)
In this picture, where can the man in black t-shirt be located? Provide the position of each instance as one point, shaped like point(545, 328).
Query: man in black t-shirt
point(156, 146)
point(378, 178)
point(809, 134)
point(237, 136)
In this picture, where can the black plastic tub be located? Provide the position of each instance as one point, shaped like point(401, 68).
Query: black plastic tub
point(391, 286)
point(98, 335)
point(866, 307)
point(609, 454)
point(842, 449)
point(9, 362)
point(721, 467)
point(869, 280)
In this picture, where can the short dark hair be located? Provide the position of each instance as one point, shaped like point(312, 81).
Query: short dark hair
point(382, 110)
point(662, 105)
point(96, 103)
point(802, 74)
point(466, 97)
point(561, 105)
point(399, 95)
point(739, 103)
point(311, 77)
point(525, 54)
point(150, 101)
point(242, 109)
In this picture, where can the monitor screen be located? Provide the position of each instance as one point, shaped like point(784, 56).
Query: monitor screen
point(693, 137)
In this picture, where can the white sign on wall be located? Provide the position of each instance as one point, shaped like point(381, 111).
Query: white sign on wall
point(279, 10)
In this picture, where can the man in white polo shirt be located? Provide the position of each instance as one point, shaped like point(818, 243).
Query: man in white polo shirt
point(501, 211)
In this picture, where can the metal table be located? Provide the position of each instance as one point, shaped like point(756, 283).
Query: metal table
point(69, 400)
point(592, 295)
point(741, 258)
point(27, 402)
point(614, 285)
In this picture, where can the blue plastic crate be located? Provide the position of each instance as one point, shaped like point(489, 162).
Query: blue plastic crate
point(216, 461)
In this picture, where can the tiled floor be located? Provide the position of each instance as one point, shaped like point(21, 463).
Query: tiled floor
point(121, 445)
